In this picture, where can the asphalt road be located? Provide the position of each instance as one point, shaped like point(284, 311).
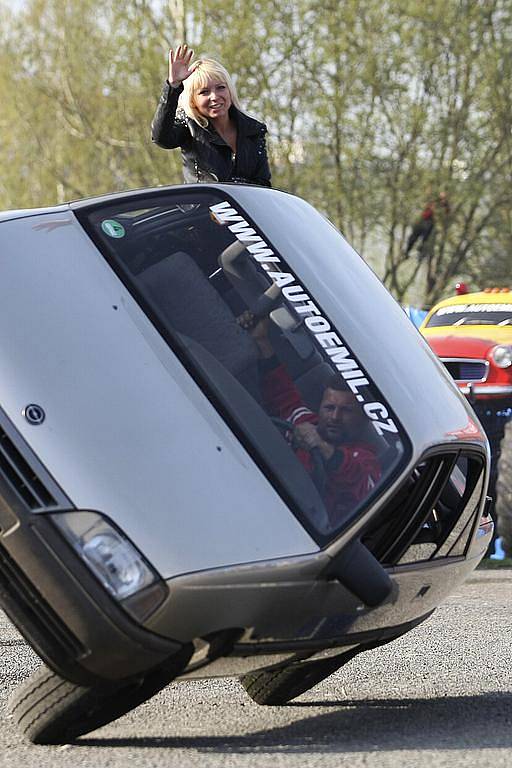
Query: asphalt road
point(439, 696)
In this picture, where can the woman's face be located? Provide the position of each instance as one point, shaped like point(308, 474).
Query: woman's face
point(213, 100)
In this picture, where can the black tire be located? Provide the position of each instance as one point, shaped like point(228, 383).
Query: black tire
point(273, 687)
point(51, 710)
point(504, 491)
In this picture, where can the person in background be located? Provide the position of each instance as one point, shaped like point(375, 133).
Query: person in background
point(199, 112)
point(423, 227)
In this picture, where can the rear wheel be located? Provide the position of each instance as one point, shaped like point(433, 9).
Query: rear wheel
point(280, 685)
point(51, 710)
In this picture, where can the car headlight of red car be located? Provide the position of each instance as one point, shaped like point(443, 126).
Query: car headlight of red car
point(502, 356)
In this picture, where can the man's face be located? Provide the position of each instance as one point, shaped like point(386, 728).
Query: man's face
point(339, 417)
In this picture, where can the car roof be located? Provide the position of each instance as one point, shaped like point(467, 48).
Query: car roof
point(84, 202)
point(111, 197)
point(127, 194)
point(502, 296)
point(154, 191)
point(23, 213)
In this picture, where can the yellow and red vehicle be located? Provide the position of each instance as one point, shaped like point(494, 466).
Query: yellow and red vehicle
point(472, 335)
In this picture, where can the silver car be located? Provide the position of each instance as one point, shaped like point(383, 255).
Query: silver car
point(224, 450)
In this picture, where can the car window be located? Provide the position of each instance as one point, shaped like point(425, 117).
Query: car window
point(472, 314)
point(260, 346)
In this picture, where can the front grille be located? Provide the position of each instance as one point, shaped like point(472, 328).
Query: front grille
point(22, 478)
point(466, 370)
point(32, 615)
point(433, 513)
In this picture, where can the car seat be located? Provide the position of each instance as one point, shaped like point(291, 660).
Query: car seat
point(191, 306)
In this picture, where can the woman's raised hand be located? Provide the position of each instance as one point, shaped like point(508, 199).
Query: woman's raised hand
point(179, 64)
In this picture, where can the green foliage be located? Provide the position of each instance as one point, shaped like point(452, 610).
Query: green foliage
point(372, 108)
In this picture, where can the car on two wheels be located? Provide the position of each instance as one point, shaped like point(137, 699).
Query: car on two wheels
point(157, 522)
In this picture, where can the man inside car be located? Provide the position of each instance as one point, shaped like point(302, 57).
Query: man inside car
point(332, 437)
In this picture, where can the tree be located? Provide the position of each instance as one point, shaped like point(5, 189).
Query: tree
point(371, 109)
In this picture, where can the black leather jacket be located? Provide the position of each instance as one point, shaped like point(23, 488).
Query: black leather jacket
point(206, 156)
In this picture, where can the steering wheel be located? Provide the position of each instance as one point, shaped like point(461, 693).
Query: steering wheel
point(319, 474)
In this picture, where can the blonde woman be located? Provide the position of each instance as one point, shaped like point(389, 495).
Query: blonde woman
point(199, 112)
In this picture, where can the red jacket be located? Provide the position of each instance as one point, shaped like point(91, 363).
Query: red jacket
point(432, 207)
point(428, 212)
point(352, 471)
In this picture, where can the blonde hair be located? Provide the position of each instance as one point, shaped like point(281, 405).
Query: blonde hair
point(204, 70)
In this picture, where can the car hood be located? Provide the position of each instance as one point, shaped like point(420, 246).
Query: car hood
point(460, 346)
point(488, 333)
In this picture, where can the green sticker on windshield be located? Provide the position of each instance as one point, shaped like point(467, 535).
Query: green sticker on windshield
point(113, 228)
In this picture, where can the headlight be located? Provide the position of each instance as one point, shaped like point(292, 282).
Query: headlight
point(114, 560)
point(502, 356)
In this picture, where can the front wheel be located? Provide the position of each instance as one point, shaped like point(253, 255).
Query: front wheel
point(51, 710)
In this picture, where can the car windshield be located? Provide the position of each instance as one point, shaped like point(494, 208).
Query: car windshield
point(472, 314)
point(260, 347)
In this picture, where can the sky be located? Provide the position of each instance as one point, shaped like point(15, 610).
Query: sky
point(13, 5)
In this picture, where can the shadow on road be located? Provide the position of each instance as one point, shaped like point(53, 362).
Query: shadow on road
point(471, 722)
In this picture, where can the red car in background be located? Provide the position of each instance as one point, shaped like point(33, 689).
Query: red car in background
point(472, 335)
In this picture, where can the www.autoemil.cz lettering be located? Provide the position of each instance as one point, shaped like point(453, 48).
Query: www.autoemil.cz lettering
point(326, 338)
